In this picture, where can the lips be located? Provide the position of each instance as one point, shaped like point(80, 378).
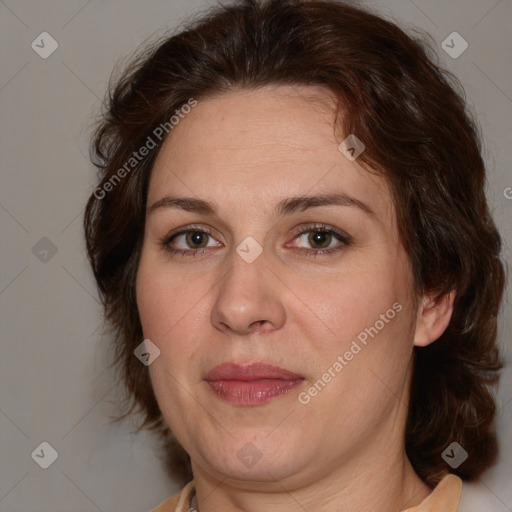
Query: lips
point(255, 371)
point(253, 384)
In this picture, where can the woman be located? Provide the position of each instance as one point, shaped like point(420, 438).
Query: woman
point(292, 242)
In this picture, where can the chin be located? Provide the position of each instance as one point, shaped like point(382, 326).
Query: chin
point(260, 461)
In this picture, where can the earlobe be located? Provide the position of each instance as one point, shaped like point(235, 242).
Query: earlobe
point(434, 315)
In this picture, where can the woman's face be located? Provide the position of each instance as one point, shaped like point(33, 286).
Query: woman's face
point(248, 287)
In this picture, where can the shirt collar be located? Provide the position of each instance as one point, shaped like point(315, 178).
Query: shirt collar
point(444, 498)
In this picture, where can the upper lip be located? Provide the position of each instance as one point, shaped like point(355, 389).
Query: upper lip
point(254, 371)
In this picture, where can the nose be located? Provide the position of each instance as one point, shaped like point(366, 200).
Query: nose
point(249, 298)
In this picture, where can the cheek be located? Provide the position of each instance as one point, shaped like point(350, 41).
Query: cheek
point(163, 299)
point(363, 315)
point(354, 298)
point(153, 303)
point(172, 314)
point(163, 316)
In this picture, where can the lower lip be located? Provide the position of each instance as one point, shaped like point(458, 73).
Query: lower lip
point(252, 392)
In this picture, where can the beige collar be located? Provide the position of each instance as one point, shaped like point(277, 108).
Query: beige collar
point(444, 498)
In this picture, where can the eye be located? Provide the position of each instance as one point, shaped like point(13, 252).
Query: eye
point(189, 241)
point(323, 239)
point(193, 239)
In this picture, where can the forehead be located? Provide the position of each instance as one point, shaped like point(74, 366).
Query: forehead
point(261, 145)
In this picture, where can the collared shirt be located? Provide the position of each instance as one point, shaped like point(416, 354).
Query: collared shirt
point(444, 498)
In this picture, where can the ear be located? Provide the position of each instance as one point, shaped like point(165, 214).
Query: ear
point(434, 314)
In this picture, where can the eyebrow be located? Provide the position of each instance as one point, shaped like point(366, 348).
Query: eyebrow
point(284, 207)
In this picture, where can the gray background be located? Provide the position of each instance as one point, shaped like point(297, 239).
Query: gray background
point(54, 382)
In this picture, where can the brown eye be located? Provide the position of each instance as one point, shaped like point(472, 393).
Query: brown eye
point(320, 239)
point(196, 239)
point(189, 242)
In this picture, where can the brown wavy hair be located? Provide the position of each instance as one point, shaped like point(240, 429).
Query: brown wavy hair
point(413, 119)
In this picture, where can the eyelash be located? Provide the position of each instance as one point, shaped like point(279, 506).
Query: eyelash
point(321, 228)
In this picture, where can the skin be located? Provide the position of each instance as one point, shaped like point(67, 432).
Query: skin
point(245, 150)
